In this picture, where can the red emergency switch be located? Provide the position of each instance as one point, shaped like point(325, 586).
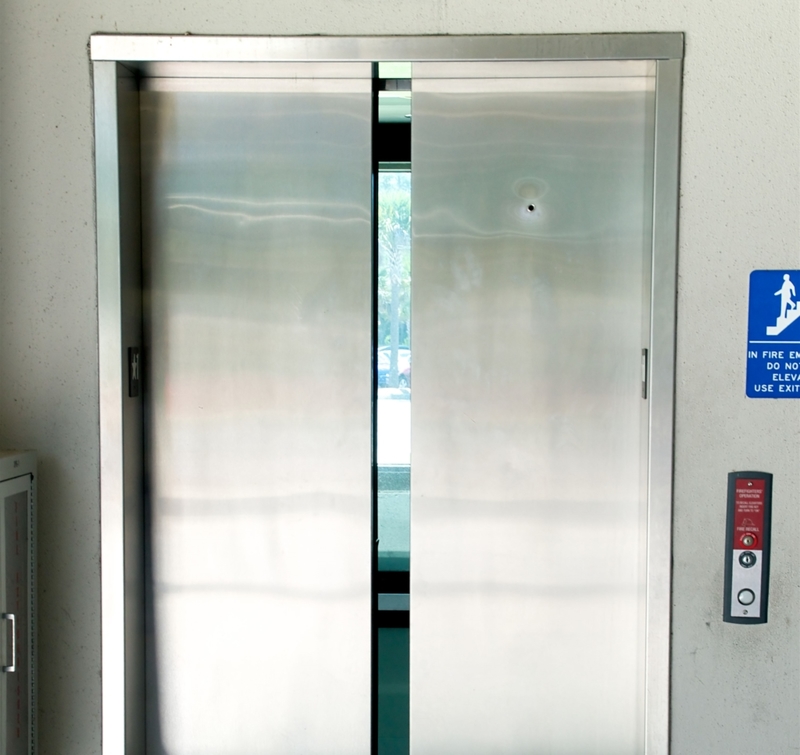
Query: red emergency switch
point(748, 540)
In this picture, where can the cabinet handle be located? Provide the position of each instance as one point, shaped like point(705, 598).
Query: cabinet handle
point(13, 667)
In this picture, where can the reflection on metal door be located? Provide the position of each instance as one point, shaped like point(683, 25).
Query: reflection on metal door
point(257, 267)
point(531, 238)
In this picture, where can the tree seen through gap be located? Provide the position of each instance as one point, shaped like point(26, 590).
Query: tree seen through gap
point(394, 265)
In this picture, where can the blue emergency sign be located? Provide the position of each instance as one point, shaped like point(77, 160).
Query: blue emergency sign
point(773, 334)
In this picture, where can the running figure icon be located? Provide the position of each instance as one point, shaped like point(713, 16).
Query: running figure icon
point(786, 292)
point(789, 308)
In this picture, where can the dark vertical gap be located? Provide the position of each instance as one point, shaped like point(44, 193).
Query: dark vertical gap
point(154, 744)
point(145, 521)
point(374, 591)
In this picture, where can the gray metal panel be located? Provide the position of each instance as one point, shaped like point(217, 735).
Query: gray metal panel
point(15, 674)
point(109, 305)
point(531, 229)
point(18, 727)
point(536, 69)
point(17, 605)
point(257, 269)
point(264, 70)
point(662, 395)
point(130, 282)
point(545, 84)
point(255, 85)
point(450, 47)
point(120, 324)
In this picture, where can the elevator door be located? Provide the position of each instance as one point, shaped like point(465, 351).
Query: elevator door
point(531, 239)
point(531, 235)
point(257, 250)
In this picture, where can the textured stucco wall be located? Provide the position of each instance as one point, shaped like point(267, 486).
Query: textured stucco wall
point(734, 689)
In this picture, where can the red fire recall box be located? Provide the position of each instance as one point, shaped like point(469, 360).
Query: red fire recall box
point(747, 547)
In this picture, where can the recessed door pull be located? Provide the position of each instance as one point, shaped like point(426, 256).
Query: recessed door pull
point(645, 369)
point(10, 669)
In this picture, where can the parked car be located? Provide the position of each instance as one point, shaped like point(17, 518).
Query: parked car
point(403, 366)
point(403, 355)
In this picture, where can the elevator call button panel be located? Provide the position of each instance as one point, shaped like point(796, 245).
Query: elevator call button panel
point(747, 547)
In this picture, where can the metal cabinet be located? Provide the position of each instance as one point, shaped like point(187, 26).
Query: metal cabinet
point(17, 602)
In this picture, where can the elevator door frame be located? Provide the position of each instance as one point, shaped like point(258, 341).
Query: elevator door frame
point(119, 63)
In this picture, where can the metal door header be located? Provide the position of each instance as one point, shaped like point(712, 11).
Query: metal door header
point(182, 48)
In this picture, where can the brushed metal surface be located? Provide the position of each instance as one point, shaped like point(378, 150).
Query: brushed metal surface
point(256, 85)
point(528, 549)
point(257, 269)
point(297, 70)
point(669, 75)
point(119, 288)
point(130, 283)
point(198, 48)
point(106, 79)
point(533, 70)
point(548, 84)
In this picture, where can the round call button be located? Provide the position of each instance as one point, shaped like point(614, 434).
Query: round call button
point(746, 597)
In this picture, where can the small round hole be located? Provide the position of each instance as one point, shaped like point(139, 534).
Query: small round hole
point(531, 208)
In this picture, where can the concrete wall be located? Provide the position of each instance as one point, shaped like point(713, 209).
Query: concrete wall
point(734, 689)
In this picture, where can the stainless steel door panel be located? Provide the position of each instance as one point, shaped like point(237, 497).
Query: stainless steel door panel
point(257, 263)
point(530, 223)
